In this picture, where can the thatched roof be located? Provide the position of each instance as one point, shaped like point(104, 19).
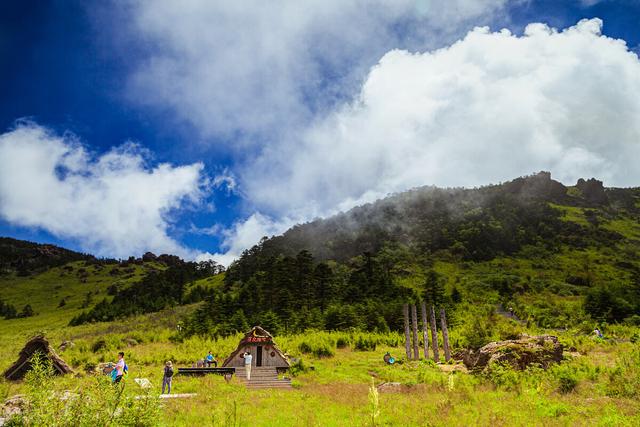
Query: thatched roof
point(257, 335)
point(37, 344)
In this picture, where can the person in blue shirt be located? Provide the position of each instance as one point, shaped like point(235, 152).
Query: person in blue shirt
point(210, 359)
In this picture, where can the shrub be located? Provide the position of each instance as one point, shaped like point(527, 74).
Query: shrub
point(99, 345)
point(479, 333)
point(342, 342)
point(299, 367)
point(503, 376)
point(365, 343)
point(323, 351)
point(567, 383)
point(318, 346)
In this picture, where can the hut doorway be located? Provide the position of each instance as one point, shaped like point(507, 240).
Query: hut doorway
point(259, 355)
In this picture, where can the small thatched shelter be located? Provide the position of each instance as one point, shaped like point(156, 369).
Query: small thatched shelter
point(261, 346)
point(38, 344)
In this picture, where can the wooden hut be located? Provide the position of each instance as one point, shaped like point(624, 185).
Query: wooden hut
point(261, 346)
point(38, 344)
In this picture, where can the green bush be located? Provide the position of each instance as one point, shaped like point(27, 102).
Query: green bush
point(504, 376)
point(318, 346)
point(342, 342)
point(99, 345)
point(299, 367)
point(364, 343)
point(567, 383)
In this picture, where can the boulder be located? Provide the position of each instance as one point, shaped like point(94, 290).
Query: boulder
point(13, 406)
point(526, 351)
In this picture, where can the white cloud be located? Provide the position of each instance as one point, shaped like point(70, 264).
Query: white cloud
point(114, 205)
point(225, 180)
point(246, 233)
point(489, 108)
point(241, 69)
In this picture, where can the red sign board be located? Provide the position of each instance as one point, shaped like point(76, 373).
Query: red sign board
point(257, 339)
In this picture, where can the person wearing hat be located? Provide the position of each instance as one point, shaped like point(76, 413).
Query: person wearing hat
point(168, 374)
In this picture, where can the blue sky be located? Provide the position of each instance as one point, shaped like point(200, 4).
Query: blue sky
point(198, 127)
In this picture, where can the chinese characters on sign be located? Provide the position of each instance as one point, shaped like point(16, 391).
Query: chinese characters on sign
point(258, 339)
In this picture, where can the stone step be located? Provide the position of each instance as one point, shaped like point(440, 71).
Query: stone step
point(275, 377)
point(257, 368)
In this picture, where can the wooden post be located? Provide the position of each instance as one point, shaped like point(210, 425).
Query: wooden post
point(445, 335)
point(407, 336)
point(414, 326)
point(434, 335)
point(425, 329)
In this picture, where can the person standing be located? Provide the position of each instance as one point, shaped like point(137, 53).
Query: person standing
point(119, 368)
point(247, 364)
point(168, 375)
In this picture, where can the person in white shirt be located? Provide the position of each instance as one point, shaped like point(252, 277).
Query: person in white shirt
point(247, 364)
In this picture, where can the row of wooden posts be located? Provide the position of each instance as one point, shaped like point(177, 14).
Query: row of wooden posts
point(411, 330)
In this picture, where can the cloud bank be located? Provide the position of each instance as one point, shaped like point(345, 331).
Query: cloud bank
point(488, 108)
point(113, 205)
point(250, 72)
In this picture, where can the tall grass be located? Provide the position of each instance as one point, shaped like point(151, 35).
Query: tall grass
point(97, 403)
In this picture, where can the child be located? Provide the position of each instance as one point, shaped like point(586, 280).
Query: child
point(168, 374)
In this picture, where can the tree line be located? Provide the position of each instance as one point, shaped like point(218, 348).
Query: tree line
point(157, 290)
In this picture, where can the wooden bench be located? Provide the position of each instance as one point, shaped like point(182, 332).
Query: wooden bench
point(203, 371)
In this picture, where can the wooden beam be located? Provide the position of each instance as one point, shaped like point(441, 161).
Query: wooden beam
point(434, 335)
point(407, 335)
point(425, 329)
point(414, 325)
point(445, 334)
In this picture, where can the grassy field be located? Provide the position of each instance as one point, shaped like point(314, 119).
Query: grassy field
point(598, 385)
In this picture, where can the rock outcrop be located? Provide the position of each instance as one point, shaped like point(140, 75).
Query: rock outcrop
point(526, 351)
point(593, 190)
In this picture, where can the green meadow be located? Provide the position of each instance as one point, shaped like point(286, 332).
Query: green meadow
point(337, 377)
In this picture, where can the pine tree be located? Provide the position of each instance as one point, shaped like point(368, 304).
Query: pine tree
point(433, 289)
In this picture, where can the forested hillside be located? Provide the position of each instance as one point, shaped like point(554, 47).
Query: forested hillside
point(24, 257)
point(559, 256)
